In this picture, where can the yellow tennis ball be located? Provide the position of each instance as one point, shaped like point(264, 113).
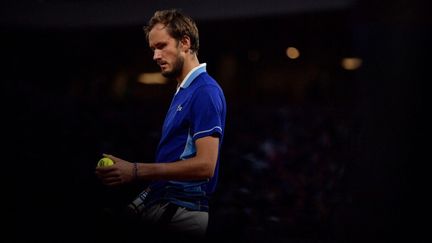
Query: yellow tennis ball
point(105, 162)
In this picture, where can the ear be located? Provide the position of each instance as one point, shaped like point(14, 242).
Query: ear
point(185, 43)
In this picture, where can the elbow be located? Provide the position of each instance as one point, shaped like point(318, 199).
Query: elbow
point(209, 173)
point(207, 170)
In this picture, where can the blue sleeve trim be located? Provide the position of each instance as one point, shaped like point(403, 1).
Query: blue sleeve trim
point(207, 132)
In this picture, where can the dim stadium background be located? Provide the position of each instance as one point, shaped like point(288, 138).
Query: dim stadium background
point(322, 134)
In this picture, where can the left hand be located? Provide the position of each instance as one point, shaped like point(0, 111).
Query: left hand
point(119, 173)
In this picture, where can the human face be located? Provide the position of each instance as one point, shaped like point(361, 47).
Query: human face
point(166, 52)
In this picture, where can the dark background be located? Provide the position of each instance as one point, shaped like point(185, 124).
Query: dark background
point(313, 152)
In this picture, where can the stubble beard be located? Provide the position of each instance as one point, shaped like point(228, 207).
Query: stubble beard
point(176, 70)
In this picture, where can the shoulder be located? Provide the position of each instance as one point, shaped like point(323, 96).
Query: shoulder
point(206, 82)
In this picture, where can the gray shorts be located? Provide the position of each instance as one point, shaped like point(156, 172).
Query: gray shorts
point(183, 222)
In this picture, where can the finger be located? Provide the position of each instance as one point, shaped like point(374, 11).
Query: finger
point(108, 178)
point(105, 169)
point(106, 173)
point(112, 181)
point(112, 157)
point(103, 174)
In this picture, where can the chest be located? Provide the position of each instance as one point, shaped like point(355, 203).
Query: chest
point(178, 115)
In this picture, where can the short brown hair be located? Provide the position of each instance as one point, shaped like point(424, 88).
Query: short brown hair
point(178, 25)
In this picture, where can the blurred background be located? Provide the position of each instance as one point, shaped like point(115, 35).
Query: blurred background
point(323, 129)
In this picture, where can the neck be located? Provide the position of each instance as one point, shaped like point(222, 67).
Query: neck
point(191, 61)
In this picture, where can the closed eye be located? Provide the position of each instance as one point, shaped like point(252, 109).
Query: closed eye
point(159, 46)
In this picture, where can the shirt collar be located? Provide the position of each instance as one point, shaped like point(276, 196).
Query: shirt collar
point(192, 75)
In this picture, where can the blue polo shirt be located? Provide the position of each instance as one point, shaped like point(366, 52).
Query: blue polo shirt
point(197, 110)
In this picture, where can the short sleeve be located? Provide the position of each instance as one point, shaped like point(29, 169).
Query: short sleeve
point(207, 112)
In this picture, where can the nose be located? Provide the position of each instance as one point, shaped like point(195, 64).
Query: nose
point(156, 55)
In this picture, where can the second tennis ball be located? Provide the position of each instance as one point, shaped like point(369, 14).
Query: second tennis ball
point(105, 162)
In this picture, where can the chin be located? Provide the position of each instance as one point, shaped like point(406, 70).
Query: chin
point(168, 74)
point(165, 73)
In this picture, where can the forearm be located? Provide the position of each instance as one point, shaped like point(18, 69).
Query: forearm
point(201, 166)
point(194, 168)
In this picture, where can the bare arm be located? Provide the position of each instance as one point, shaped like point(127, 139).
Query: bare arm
point(201, 166)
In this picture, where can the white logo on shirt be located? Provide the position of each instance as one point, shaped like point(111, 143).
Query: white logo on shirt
point(179, 108)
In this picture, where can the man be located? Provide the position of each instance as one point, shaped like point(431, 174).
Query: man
point(185, 173)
